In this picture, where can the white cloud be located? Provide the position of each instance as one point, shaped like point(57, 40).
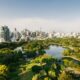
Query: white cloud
point(45, 24)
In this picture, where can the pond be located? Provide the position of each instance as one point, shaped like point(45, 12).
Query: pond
point(55, 51)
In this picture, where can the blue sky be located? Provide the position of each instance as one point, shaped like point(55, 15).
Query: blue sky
point(58, 15)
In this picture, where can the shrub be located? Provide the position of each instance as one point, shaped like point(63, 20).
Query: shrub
point(36, 69)
point(3, 72)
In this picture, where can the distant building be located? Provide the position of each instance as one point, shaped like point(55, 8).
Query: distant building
point(51, 34)
point(25, 35)
point(16, 35)
point(4, 34)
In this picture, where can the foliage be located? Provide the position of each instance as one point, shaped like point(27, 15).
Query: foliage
point(36, 69)
point(40, 66)
point(3, 72)
point(65, 76)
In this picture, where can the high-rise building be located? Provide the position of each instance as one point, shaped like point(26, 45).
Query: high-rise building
point(4, 34)
point(16, 35)
point(25, 35)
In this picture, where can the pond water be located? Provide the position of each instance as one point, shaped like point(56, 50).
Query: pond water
point(55, 51)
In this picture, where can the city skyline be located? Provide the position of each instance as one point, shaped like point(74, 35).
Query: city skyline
point(50, 15)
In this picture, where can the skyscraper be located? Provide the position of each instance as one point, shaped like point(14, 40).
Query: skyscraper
point(4, 34)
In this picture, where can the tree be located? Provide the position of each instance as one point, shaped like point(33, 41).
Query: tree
point(36, 69)
point(65, 76)
point(3, 72)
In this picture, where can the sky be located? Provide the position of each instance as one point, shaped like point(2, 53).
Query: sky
point(47, 15)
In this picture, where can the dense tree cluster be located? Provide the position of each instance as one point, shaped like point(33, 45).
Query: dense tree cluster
point(37, 65)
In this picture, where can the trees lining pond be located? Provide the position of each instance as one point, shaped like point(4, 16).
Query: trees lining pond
point(15, 67)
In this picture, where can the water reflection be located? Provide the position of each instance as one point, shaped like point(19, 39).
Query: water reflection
point(55, 51)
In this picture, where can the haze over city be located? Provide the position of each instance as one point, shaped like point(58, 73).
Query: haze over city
point(49, 15)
